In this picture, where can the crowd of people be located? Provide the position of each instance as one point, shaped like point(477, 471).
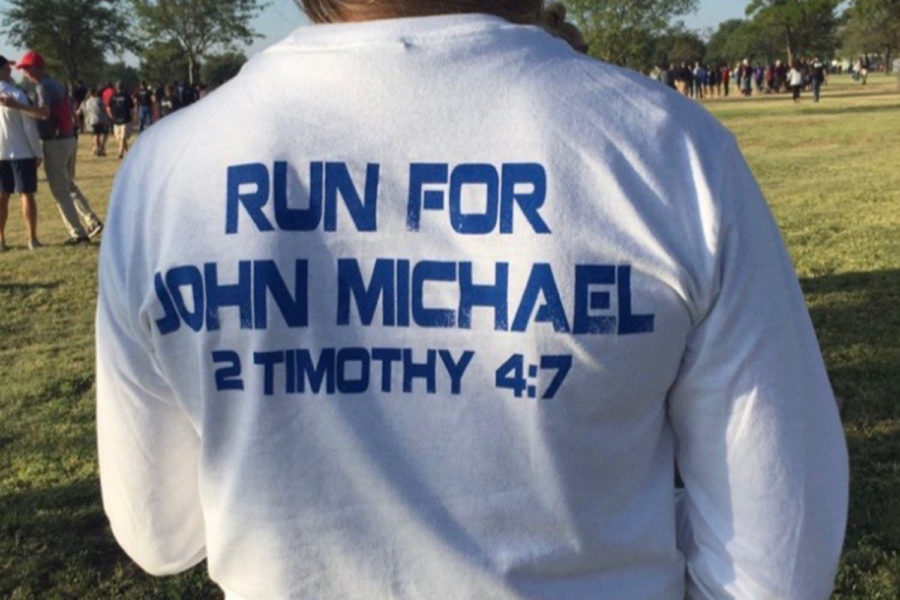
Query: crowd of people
point(44, 128)
point(702, 81)
point(114, 106)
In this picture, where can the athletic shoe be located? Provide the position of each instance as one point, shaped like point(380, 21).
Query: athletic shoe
point(95, 230)
point(76, 241)
point(34, 244)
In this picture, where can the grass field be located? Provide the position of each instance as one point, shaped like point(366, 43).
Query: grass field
point(830, 171)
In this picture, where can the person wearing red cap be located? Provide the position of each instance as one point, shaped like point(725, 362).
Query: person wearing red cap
point(56, 126)
point(20, 155)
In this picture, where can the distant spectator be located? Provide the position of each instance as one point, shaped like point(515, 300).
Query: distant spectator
point(168, 103)
point(144, 100)
point(79, 93)
point(715, 84)
point(158, 94)
point(96, 121)
point(187, 95)
point(746, 78)
point(780, 76)
point(818, 76)
point(795, 80)
point(107, 92)
point(121, 111)
point(668, 76)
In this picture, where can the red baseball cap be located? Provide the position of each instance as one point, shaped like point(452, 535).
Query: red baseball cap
point(31, 59)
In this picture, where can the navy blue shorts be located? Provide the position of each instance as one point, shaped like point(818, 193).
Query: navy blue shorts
point(19, 176)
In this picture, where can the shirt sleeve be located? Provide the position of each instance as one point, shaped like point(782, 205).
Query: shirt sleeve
point(40, 91)
point(760, 446)
point(149, 452)
point(31, 131)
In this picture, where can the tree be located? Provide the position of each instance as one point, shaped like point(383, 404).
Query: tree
point(806, 26)
point(163, 62)
point(73, 35)
point(737, 39)
point(873, 26)
point(623, 31)
point(718, 48)
point(678, 46)
point(197, 26)
point(220, 68)
point(119, 71)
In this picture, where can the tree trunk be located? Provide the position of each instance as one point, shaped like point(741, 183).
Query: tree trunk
point(190, 68)
point(791, 48)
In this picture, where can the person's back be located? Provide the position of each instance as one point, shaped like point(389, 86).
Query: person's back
point(429, 325)
point(54, 95)
point(121, 107)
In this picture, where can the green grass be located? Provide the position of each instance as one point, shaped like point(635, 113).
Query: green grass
point(831, 173)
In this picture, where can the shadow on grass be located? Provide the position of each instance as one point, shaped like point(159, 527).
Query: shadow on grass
point(56, 542)
point(847, 110)
point(25, 288)
point(857, 320)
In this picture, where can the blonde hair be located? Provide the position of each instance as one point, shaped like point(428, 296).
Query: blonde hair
point(333, 11)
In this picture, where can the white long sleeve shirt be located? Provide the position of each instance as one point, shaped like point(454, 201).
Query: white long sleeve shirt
point(430, 308)
point(19, 137)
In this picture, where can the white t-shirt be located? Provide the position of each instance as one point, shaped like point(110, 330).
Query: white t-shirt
point(94, 112)
point(429, 308)
point(18, 132)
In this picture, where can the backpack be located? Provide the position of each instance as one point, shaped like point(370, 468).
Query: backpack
point(62, 117)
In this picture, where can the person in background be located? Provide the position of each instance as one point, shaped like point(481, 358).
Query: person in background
point(169, 101)
point(187, 94)
point(818, 77)
point(93, 113)
point(158, 92)
point(795, 80)
point(715, 84)
point(79, 93)
point(121, 113)
point(780, 77)
point(143, 98)
point(107, 92)
point(20, 157)
point(56, 126)
point(725, 71)
point(437, 317)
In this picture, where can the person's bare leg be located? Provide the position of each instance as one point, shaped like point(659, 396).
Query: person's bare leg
point(4, 213)
point(30, 214)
